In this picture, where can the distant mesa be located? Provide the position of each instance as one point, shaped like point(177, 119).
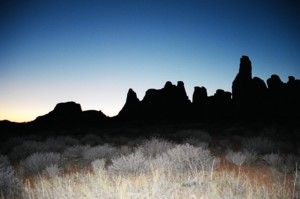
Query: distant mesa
point(70, 114)
point(251, 99)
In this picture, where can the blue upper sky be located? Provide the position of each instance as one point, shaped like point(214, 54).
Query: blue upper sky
point(92, 52)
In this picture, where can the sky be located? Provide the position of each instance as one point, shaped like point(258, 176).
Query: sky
point(92, 52)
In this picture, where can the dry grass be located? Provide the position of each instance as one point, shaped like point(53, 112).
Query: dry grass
point(226, 182)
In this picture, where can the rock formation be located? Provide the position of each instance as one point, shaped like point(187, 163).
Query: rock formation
point(251, 99)
point(249, 94)
point(241, 86)
point(199, 95)
point(70, 114)
point(170, 102)
point(132, 106)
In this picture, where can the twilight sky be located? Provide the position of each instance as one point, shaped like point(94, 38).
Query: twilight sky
point(92, 52)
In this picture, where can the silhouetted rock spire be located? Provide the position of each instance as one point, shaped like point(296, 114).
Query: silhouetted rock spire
point(132, 98)
point(242, 83)
point(199, 95)
point(132, 106)
point(245, 70)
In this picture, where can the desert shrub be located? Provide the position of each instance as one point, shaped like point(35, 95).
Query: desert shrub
point(9, 184)
point(134, 163)
point(194, 133)
point(292, 160)
point(196, 142)
point(58, 144)
point(125, 150)
point(251, 157)
point(290, 164)
point(91, 139)
point(6, 146)
point(98, 165)
point(225, 143)
point(24, 150)
point(38, 162)
point(154, 146)
point(273, 160)
point(259, 144)
point(237, 158)
point(187, 158)
point(297, 180)
point(160, 162)
point(75, 153)
point(98, 152)
point(284, 146)
point(119, 140)
point(68, 140)
point(4, 162)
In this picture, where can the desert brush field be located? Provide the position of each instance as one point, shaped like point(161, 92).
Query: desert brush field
point(167, 163)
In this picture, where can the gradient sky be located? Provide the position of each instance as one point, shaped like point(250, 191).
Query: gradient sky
point(92, 52)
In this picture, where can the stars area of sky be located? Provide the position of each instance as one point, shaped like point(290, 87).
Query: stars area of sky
point(93, 52)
